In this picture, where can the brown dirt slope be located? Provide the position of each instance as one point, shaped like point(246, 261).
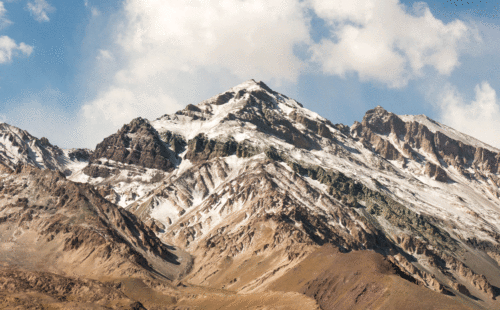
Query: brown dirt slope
point(155, 295)
point(360, 280)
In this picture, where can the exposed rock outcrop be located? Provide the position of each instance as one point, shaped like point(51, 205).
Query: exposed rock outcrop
point(318, 128)
point(436, 172)
point(462, 289)
point(379, 144)
point(478, 281)
point(422, 277)
point(137, 143)
point(200, 149)
point(80, 154)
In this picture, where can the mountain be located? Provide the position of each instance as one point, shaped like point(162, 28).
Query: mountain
point(17, 146)
point(251, 200)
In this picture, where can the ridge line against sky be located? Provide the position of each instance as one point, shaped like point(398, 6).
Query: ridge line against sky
point(76, 71)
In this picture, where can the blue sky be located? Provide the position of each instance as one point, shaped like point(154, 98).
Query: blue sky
point(76, 71)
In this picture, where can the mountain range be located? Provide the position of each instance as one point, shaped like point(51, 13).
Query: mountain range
point(248, 200)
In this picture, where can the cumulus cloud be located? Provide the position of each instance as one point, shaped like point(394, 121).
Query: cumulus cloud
point(381, 41)
point(9, 48)
point(254, 37)
point(39, 10)
point(478, 118)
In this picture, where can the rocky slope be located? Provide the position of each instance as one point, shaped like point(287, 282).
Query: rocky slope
point(360, 280)
point(64, 246)
point(30, 290)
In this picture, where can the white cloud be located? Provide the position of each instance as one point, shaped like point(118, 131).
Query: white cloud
point(39, 10)
point(480, 118)
point(9, 48)
point(381, 41)
point(105, 55)
point(118, 106)
point(4, 21)
point(253, 37)
point(95, 11)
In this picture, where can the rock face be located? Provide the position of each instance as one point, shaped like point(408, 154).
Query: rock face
point(80, 154)
point(461, 288)
point(137, 143)
point(132, 160)
point(436, 172)
point(412, 137)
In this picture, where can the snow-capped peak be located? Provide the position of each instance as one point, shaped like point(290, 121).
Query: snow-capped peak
point(240, 112)
point(248, 86)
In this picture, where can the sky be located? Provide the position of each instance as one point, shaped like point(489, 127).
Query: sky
point(76, 71)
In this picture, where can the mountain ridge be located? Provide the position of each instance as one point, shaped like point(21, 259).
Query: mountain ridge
point(253, 186)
